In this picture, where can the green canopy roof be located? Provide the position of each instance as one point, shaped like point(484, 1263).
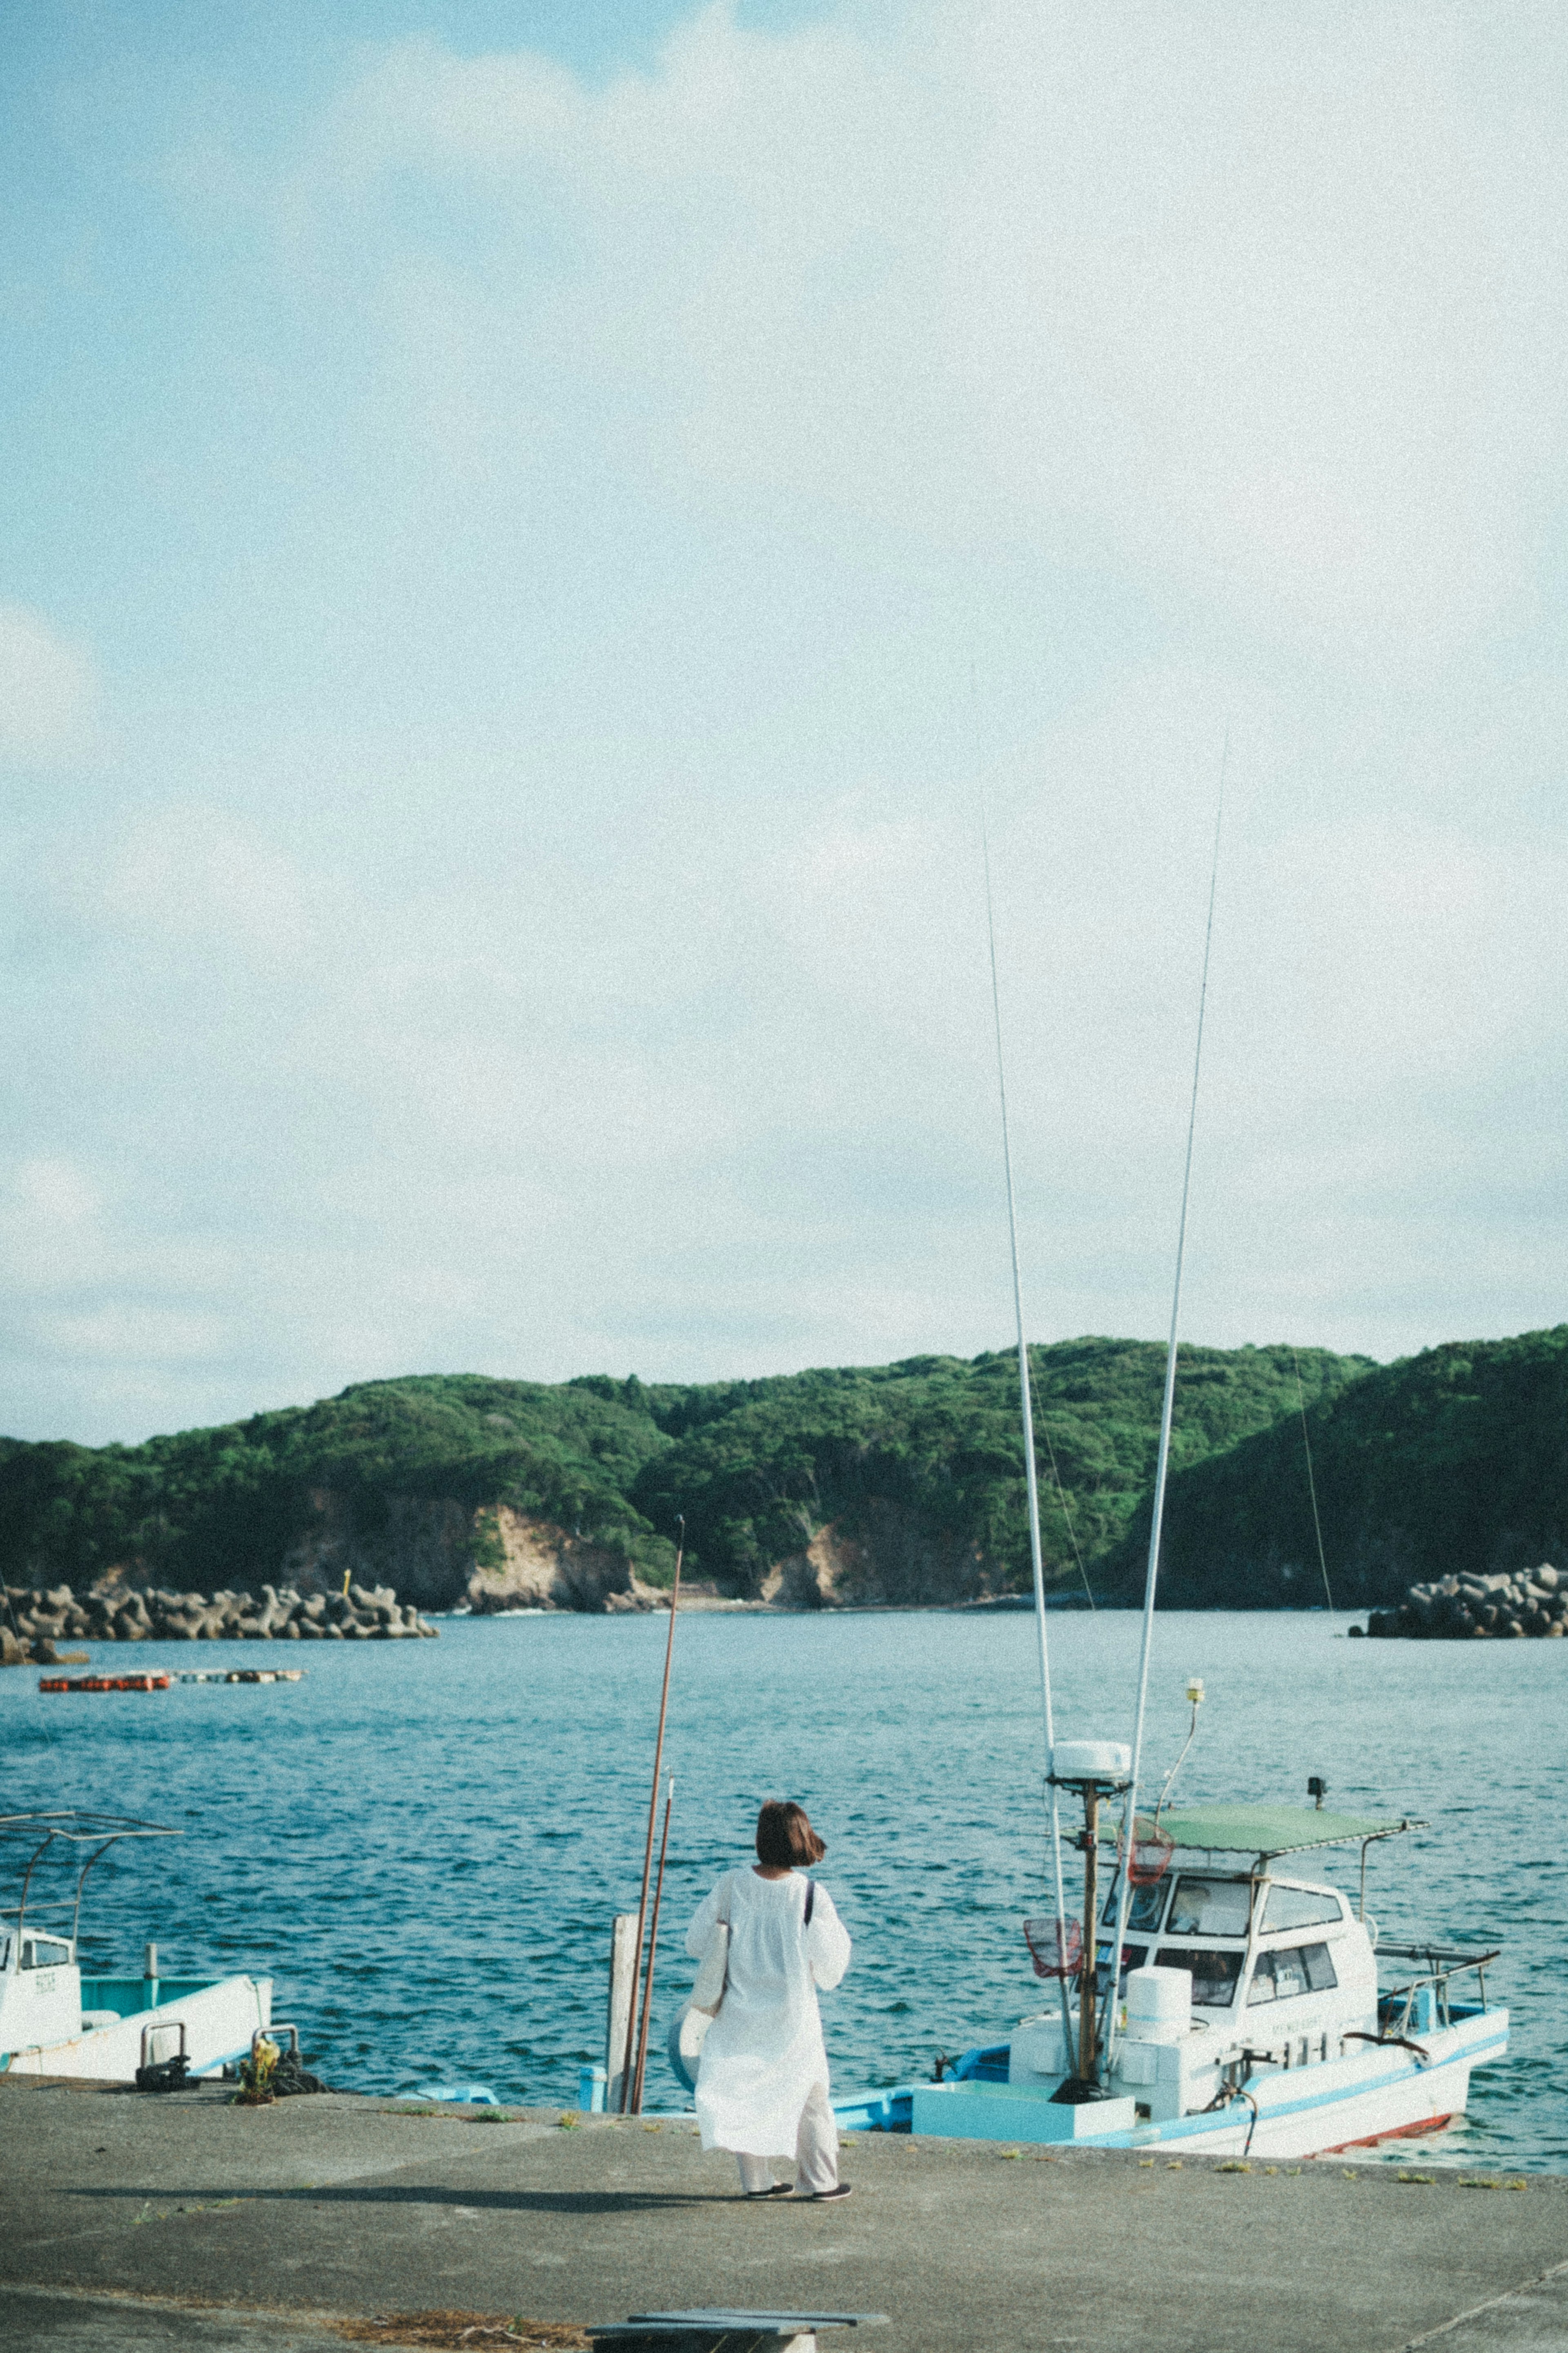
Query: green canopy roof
point(1271, 1830)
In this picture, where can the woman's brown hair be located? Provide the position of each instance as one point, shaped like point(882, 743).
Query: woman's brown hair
point(785, 1838)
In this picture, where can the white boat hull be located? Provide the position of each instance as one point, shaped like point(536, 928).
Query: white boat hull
point(1383, 2093)
point(218, 2020)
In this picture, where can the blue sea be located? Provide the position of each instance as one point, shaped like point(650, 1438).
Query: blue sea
point(424, 1843)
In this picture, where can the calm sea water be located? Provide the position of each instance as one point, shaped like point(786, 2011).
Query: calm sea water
point(424, 1843)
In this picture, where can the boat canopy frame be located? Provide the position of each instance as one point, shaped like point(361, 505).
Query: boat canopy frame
point(73, 1826)
point(1269, 1833)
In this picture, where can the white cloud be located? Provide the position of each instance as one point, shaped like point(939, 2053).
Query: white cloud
point(59, 1193)
point(143, 1337)
point(198, 876)
point(52, 1232)
point(48, 691)
point(1275, 306)
point(539, 921)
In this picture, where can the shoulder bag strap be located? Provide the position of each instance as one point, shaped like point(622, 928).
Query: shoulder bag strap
point(810, 1900)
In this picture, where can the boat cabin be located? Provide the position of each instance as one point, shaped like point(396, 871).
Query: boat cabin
point(1234, 1970)
point(1248, 1943)
point(1233, 1963)
point(40, 1990)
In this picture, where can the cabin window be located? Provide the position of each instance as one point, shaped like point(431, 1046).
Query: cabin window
point(1213, 1975)
point(45, 1953)
point(1300, 1907)
point(1133, 1957)
point(1279, 1976)
point(1143, 1912)
point(1210, 1907)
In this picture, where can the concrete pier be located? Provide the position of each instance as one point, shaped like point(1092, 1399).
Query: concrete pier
point(134, 2222)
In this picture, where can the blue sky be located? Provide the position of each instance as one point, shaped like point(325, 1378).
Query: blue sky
point(524, 531)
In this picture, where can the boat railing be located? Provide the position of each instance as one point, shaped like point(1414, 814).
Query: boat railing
point(1398, 2006)
point(69, 1827)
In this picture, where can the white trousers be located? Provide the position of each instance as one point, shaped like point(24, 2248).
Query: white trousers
point(816, 2151)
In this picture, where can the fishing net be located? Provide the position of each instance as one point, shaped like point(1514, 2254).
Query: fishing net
point(1054, 1956)
point(1151, 1851)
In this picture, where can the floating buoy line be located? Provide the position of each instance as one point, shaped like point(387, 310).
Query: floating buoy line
point(164, 1682)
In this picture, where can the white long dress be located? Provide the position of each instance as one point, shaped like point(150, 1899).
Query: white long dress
point(764, 2049)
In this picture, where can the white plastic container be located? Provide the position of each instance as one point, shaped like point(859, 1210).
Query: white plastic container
point(1091, 1760)
point(1159, 2005)
point(1037, 2055)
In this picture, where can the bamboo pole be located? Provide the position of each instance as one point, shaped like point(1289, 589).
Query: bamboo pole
point(652, 1817)
point(652, 1953)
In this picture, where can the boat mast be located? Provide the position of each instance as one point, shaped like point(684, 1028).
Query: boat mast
point(1031, 1478)
point(1156, 1521)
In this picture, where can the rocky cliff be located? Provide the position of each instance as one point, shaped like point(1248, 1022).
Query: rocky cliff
point(879, 1554)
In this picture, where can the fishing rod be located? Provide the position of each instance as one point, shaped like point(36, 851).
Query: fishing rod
point(1311, 1482)
point(652, 1817)
point(1163, 1464)
point(652, 1952)
point(1031, 1479)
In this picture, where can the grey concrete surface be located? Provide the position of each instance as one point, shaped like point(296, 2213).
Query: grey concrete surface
point(1533, 2319)
point(343, 2205)
point(65, 2320)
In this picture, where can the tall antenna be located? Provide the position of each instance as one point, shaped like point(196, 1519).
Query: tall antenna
point(1031, 1480)
point(1163, 1464)
point(1067, 1515)
point(1311, 1482)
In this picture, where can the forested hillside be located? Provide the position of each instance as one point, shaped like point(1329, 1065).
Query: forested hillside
point(909, 1474)
point(1454, 1459)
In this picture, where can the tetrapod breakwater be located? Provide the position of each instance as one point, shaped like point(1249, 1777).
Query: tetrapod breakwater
point(37, 1618)
point(1531, 1601)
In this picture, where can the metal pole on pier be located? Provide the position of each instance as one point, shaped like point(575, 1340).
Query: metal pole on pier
point(627, 2056)
point(623, 1946)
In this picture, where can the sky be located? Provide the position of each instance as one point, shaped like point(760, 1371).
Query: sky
point(530, 532)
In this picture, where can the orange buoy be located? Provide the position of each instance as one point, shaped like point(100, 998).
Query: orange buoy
point(103, 1682)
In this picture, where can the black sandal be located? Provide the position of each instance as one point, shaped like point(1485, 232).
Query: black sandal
point(779, 2189)
point(824, 2197)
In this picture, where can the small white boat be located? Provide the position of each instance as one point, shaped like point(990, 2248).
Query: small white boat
point(55, 2022)
point(1250, 2018)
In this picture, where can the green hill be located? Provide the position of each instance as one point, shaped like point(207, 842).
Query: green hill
point(226, 1505)
point(1456, 1458)
point(928, 1448)
point(758, 1466)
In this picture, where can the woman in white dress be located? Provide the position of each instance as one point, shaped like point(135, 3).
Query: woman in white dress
point(762, 2082)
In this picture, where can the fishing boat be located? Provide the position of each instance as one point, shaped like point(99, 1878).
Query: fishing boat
point(1243, 2012)
point(1249, 2019)
point(55, 2022)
